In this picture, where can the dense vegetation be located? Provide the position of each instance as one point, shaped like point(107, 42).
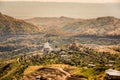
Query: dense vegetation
point(81, 57)
point(78, 58)
point(11, 70)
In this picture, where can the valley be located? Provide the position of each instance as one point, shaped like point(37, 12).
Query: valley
point(86, 48)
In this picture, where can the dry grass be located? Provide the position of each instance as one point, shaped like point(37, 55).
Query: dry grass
point(32, 69)
point(62, 66)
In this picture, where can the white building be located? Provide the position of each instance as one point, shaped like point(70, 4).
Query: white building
point(112, 74)
point(47, 48)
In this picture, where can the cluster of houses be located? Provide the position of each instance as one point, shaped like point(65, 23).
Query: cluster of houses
point(48, 49)
point(109, 74)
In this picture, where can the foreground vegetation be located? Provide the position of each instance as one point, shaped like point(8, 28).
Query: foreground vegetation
point(79, 60)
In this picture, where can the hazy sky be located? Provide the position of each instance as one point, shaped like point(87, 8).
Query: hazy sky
point(52, 9)
point(88, 1)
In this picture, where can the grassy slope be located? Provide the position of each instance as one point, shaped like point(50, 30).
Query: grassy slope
point(11, 70)
point(89, 72)
point(15, 71)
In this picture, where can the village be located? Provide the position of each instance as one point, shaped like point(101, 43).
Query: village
point(72, 54)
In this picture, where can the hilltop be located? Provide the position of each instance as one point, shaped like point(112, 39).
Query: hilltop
point(12, 26)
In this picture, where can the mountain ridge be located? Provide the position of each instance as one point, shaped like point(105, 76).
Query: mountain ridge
point(101, 26)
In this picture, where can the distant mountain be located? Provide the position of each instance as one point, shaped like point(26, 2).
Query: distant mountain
point(50, 22)
point(12, 26)
point(102, 26)
point(51, 25)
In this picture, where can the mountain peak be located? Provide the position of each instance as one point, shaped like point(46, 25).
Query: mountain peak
point(63, 17)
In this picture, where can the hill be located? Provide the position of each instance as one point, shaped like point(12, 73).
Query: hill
point(12, 26)
point(51, 22)
point(51, 25)
point(101, 26)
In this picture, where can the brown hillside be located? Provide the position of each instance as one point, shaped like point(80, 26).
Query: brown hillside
point(12, 26)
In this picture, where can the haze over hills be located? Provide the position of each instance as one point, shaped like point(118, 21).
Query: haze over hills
point(51, 24)
point(12, 26)
point(101, 26)
point(22, 56)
